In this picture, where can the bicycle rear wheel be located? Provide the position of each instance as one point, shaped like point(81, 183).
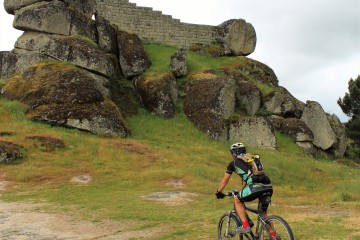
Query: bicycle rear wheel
point(279, 226)
point(227, 226)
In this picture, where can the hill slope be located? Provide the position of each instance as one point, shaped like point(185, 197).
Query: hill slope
point(319, 198)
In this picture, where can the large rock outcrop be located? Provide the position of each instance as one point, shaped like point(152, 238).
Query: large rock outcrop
point(299, 133)
point(248, 97)
point(54, 17)
point(61, 94)
point(296, 130)
point(254, 70)
point(63, 30)
point(87, 7)
point(238, 35)
point(12, 5)
point(262, 73)
point(178, 64)
point(282, 103)
point(72, 49)
point(255, 131)
point(158, 94)
point(107, 35)
point(132, 55)
point(91, 91)
point(11, 63)
point(209, 102)
point(339, 148)
point(316, 120)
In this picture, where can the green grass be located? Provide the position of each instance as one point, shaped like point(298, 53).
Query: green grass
point(199, 63)
point(160, 56)
point(316, 196)
point(163, 150)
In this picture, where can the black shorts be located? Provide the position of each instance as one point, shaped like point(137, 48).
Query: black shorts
point(260, 191)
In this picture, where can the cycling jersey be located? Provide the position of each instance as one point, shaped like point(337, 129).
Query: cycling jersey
point(244, 171)
point(256, 185)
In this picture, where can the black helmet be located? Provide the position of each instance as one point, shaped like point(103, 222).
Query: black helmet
point(238, 148)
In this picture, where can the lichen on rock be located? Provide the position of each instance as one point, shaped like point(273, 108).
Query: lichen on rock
point(159, 95)
point(61, 94)
point(9, 152)
point(209, 102)
point(238, 35)
point(133, 58)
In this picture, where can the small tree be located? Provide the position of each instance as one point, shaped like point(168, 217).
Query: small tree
point(350, 105)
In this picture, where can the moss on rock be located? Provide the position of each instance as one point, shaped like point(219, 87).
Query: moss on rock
point(61, 94)
point(9, 152)
point(210, 102)
point(159, 95)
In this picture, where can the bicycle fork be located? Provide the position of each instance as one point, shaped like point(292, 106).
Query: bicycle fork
point(247, 236)
point(227, 231)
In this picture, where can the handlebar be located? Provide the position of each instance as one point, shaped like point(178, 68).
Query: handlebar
point(233, 193)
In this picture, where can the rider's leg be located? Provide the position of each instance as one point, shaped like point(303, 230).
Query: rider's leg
point(263, 206)
point(240, 209)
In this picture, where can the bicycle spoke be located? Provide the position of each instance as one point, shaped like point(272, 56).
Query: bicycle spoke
point(226, 228)
point(279, 227)
point(247, 236)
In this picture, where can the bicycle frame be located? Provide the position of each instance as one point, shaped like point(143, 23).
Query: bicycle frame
point(260, 220)
point(265, 225)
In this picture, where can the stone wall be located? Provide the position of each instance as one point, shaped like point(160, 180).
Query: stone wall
point(154, 26)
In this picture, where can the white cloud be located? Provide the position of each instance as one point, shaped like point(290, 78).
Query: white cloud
point(8, 35)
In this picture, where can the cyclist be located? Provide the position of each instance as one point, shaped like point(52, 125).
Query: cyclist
point(257, 186)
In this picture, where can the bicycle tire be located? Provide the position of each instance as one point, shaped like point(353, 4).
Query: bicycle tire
point(223, 233)
point(279, 226)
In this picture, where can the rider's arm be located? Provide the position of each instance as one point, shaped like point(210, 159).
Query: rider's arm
point(224, 181)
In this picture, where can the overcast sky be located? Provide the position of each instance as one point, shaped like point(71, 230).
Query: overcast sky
point(312, 45)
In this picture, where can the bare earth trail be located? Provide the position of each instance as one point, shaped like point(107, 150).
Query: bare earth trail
point(22, 221)
point(28, 221)
point(25, 221)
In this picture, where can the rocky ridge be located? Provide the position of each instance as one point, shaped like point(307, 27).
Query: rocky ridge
point(76, 73)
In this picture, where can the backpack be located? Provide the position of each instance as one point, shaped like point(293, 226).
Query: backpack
point(254, 162)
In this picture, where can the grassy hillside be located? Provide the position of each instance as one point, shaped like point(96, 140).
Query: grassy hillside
point(320, 198)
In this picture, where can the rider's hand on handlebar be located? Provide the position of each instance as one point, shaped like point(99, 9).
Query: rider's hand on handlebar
point(220, 195)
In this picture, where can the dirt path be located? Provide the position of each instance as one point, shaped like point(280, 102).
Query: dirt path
point(21, 221)
point(24, 221)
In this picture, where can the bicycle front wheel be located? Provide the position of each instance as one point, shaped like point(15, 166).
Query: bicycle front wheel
point(227, 226)
point(277, 225)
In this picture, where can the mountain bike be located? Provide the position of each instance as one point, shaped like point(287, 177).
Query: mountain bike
point(230, 221)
